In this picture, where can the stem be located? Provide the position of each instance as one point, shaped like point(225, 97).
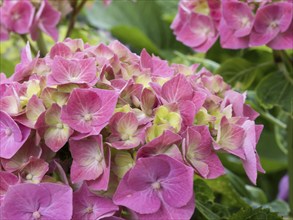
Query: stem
point(283, 62)
point(25, 40)
point(272, 119)
point(290, 160)
point(76, 10)
point(42, 45)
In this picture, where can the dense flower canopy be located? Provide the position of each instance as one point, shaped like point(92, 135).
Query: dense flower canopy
point(118, 129)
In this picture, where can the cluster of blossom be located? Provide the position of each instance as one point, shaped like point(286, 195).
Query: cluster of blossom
point(94, 132)
point(239, 24)
point(31, 16)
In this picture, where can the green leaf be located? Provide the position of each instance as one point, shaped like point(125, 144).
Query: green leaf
point(206, 208)
point(143, 19)
point(256, 195)
point(240, 72)
point(7, 66)
point(137, 37)
point(275, 90)
point(278, 206)
point(230, 196)
point(255, 214)
point(271, 157)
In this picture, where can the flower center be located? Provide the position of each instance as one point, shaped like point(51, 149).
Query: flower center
point(15, 16)
point(29, 176)
point(156, 185)
point(88, 117)
point(245, 21)
point(99, 158)
point(89, 209)
point(274, 24)
point(59, 125)
point(36, 215)
point(8, 131)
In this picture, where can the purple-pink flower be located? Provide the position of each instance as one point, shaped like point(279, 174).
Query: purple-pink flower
point(166, 185)
point(46, 20)
point(198, 152)
point(37, 201)
point(239, 24)
point(88, 205)
point(12, 136)
point(126, 133)
point(89, 110)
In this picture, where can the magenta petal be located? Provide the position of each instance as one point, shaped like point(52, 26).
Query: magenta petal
point(177, 193)
point(283, 41)
point(136, 200)
point(169, 212)
point(229, 40)
point(177, 89)
point(6, 179)
point(238, 16)
point(73, 71)
point(88, 205)
point(12, 136)
point(88, 159)
point(89, 110)
point(164, 144)
point(50, 200)
point(21, 17)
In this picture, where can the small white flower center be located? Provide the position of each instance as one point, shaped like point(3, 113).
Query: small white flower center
point(36, 215)
point(245, 21)
point(88, 117)
point(15, 16)
point(59, 125)
point(89, 209)
point(29, 176)
point(99, 158)
point(274, 24)
point(156, 185)
point(8, 131)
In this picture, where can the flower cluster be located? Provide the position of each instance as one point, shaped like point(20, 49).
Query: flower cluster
point(239, 24)
point(90, 132)
point(31, 16)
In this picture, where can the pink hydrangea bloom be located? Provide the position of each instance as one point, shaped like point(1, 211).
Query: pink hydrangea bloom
point(6, 179)
point(89, 111)
point(270, 20)
point(55, 132)
point(196, 23)
point(17, 16)
point(12, 136)
point(240, 24)
point(34, 201)
point(126, 132)
point(161, 186)
point(88, 205)
point(89, 161)
point(166, 144)
point(197, 151)
point(73, 71)
point(46, 20)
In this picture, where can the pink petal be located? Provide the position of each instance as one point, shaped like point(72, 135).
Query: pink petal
point(88, 159)
point(136, 200)
point(49, 199)
point(177, 89)
point(238, 16)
